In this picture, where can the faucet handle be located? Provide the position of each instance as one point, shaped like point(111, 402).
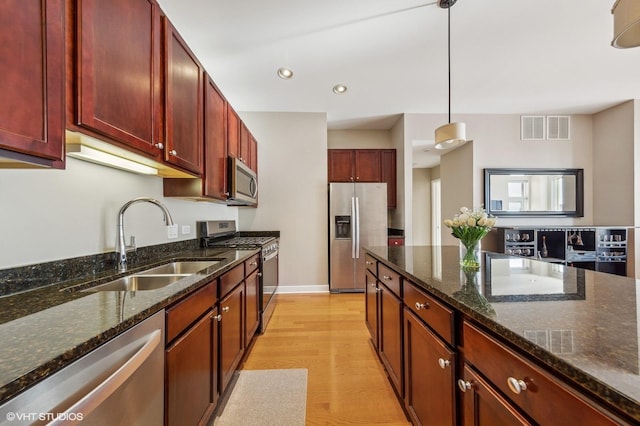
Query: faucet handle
point(132, 244)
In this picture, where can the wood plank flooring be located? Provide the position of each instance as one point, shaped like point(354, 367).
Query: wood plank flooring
point(326, 334)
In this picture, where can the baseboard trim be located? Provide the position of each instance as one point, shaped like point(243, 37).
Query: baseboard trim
point(292, 289)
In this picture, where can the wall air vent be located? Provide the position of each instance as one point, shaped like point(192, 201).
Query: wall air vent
point(532, 127)
point(558, 128)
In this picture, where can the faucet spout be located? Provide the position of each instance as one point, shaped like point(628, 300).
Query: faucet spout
point(121, 247)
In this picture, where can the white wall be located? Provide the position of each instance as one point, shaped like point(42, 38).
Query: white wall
point(421, 206)
point(359, 139)
point(456, 179)
point(50, 215)
point(292, 173)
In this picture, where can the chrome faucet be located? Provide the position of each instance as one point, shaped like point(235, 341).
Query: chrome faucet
point(121, 247)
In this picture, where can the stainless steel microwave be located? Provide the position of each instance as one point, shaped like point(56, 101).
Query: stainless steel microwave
point(243, 184)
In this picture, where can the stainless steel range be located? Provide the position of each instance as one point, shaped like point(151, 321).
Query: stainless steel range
point(223, 234)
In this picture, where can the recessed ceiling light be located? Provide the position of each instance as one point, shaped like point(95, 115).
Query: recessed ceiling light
point(339, 89)
point(285, 73)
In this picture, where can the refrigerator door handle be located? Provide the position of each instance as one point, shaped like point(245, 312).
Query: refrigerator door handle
point(354, 225)
point(357, 230)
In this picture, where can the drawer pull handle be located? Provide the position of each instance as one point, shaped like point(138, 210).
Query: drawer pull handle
point(218, 317)
point(369, 263)
point(386, 277)
point(420, 306)
point(443, 363)
point(253, 264)
point(225, 309)
point(373, 285)
point(516, 386)
point(464, 385)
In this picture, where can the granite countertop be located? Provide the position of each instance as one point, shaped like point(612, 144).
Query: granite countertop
point(50, 325)
point(582, 324)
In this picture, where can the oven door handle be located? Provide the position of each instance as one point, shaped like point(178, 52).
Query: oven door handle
point(269, 256)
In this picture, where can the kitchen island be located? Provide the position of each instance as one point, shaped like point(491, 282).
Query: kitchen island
point(571, 334)
point(51, 324)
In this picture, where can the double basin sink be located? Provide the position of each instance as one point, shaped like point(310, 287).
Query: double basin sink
point(156, 277)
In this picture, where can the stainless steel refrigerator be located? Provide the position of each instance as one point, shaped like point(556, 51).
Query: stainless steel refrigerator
point(357, 218)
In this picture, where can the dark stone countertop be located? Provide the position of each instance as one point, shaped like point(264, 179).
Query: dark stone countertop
point(582, 324)
point(48, 326)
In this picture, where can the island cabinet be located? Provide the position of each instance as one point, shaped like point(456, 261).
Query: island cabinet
point(531, 392)
point(232, 335)
point(429, 359)
point(33, 76)
point(384, 319)
point(191, 388)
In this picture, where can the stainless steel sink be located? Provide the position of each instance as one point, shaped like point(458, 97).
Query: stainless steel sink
point(156, 277)
point(179, 268)
point(137, 283)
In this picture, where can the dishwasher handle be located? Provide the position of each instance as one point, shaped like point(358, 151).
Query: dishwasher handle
point(100, 393)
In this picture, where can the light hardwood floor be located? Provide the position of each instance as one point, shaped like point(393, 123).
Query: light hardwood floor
point(326, 334)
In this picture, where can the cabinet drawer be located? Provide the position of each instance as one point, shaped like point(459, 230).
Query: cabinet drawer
point(187, 311)
point(544, 398)
point(436, 315)
point(370, 263)
point(251, 264)
point(231, 279)
point(390, 279)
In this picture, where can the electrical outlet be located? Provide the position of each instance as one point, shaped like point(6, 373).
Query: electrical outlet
point(172, 231)
point(186, 229)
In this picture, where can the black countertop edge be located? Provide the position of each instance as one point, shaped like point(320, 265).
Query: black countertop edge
point(607, 395)
point(24, 381)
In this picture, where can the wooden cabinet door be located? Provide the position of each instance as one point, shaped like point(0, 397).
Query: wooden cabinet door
point(371, 307)
point(341, 165)
point(252, 306)
point(231, 334)
point(390, 337)
point(253, 153)
point(429, 388)
point(32, 84)
point(189, 381)
point(183, 103)
point(118, 71)
point(483, 406)
point(388, 175)
point(215, 143)
point(245, 137)
point(233, 132)
point(367, 165)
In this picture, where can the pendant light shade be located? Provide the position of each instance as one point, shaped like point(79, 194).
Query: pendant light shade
point(626, 24)
point(452, 134)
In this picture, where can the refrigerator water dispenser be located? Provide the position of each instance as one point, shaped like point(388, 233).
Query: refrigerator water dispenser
point(343, 227)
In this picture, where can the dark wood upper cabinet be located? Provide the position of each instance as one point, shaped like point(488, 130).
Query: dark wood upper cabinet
point(215, 143)
point(233, 132)
point(183, 103)
point(388, 175)
point(118, 74)
point(341, 165)
point(367, 165)
point(245, 136)
point(253, 154)
point(32, 54)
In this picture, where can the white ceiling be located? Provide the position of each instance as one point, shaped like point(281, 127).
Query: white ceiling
point(508, 56)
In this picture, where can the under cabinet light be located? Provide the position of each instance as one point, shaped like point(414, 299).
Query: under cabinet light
point(85, 153)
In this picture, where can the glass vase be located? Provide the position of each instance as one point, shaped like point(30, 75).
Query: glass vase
point(470, 254)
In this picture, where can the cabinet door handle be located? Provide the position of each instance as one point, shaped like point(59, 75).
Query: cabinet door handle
point(225, 309)
point(173, 152)
point(386, 277)
point(159, 145)
point(443, 363)
point(217, 317)
point(420, 306)
point(253, 264)
point(373, 285)
point(464, 385)
point(516, 385)
point(368, 263)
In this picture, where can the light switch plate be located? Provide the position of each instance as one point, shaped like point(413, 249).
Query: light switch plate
point(172, 231)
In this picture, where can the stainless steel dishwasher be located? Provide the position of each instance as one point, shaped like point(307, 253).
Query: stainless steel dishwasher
point(121, 382)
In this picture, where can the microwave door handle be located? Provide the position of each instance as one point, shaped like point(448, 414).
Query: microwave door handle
point(253, 187)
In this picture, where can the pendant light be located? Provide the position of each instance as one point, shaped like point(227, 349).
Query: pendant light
point(626, 24)
point(452, 134)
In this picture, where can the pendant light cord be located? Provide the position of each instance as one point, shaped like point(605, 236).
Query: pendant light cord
point(449, 55)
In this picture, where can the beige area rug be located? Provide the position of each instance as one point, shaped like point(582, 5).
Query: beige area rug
point(266, 397)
